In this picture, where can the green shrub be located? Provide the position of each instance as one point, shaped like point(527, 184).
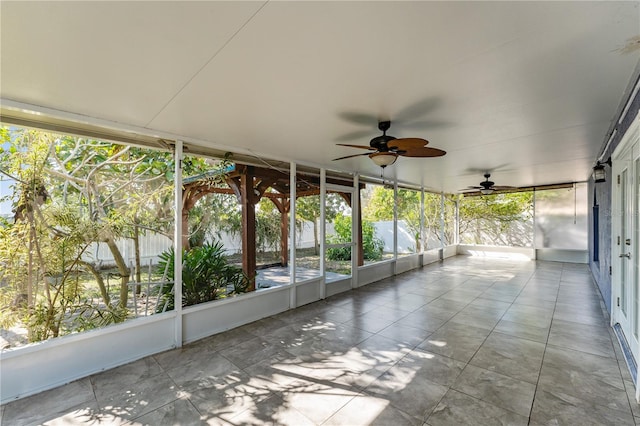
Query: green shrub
point(206, 275)
point(371, 245)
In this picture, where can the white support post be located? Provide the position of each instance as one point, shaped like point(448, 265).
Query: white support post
point(442, 244)
point(533, 243)
point(395, 227)
point(456, 225)
point(177, 244)
point(422, 230)
point(323, 226)
point(355, 226)
point(395, 220)
point(292, 234)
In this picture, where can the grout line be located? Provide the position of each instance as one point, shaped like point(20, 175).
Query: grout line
point(474, 354)
point(546, 344)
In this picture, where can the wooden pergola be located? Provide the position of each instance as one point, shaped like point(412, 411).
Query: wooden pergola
point(250, 184)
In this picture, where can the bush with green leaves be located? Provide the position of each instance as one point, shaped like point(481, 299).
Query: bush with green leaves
point(206, 275)
point(371, 245)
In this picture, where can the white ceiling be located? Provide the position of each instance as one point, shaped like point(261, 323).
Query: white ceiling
point(527, 90)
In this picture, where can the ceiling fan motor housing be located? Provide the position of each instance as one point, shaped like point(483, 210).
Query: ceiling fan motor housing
point(384, 125)
point(487, 183)
point(380, 142)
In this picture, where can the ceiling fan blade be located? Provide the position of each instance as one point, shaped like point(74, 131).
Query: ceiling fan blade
point(350, 156)
point(481, 170)
point(405, 144)
point(359, 118)
point(502, 188)
point(424, 152)
point(426, 125)
point(357, 146)
point(417, 109)
point(358, 134)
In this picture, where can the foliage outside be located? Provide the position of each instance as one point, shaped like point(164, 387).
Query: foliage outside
point(308, 209)
point(69, 194)
point(379, 203)
point(499, 219)
point(372, 246)
point(206, 275)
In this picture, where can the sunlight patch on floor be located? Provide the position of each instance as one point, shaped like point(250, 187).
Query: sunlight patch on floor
point(500, 255)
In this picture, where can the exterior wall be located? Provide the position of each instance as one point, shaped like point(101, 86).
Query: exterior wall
point(601, 194)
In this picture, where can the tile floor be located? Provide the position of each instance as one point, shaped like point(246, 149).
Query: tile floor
point(468, 341)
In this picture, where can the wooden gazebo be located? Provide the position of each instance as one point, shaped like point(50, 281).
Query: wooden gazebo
point(250, 184)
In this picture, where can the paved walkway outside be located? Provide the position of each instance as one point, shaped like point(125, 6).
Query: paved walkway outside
point(276, 276)
point(468, 341)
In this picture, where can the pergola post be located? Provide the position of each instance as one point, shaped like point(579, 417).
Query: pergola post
point(284, 227)
point(283, 206)
point(360, 241)
point(250, 184)
point(248, 204)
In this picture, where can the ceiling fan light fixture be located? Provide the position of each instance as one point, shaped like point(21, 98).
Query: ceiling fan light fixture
point(486, 191)
point(383, 159)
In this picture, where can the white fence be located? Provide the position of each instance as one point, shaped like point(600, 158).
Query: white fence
point(153, 244)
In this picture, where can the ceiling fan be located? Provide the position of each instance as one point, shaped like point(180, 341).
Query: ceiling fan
point(486, 187)
point(387, 148)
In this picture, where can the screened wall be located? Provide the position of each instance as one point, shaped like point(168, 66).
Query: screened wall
point(308, 229)
point(85, 229)
point(88, 229)
point(562, 218)
point(545, 218)
point(409, 221)
point(377, 206)
point(497, 220)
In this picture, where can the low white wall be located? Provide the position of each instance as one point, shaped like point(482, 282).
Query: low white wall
point(40, 366)
point(308, 292)
point(497, 252)
point(210, 318)
point(408, 262)
point(563, 255)
point(373, 272)
point(336, 287)
point(430, 256)
point(450, 251)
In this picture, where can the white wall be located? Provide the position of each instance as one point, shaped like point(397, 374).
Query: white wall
point(40, 366)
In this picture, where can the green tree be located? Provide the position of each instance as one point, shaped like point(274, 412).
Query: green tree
point(212, 216)
point(308, 209)
point(381, 203)
point(68, 193)
point(498, 219)
point(268, 227)
point(372, 246)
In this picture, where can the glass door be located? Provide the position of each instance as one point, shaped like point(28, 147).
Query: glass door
point(635, 258)
point(626, 234)
point(623, 245)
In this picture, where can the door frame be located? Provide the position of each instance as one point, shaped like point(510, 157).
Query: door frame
point(622, 206)
point(626, 156)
